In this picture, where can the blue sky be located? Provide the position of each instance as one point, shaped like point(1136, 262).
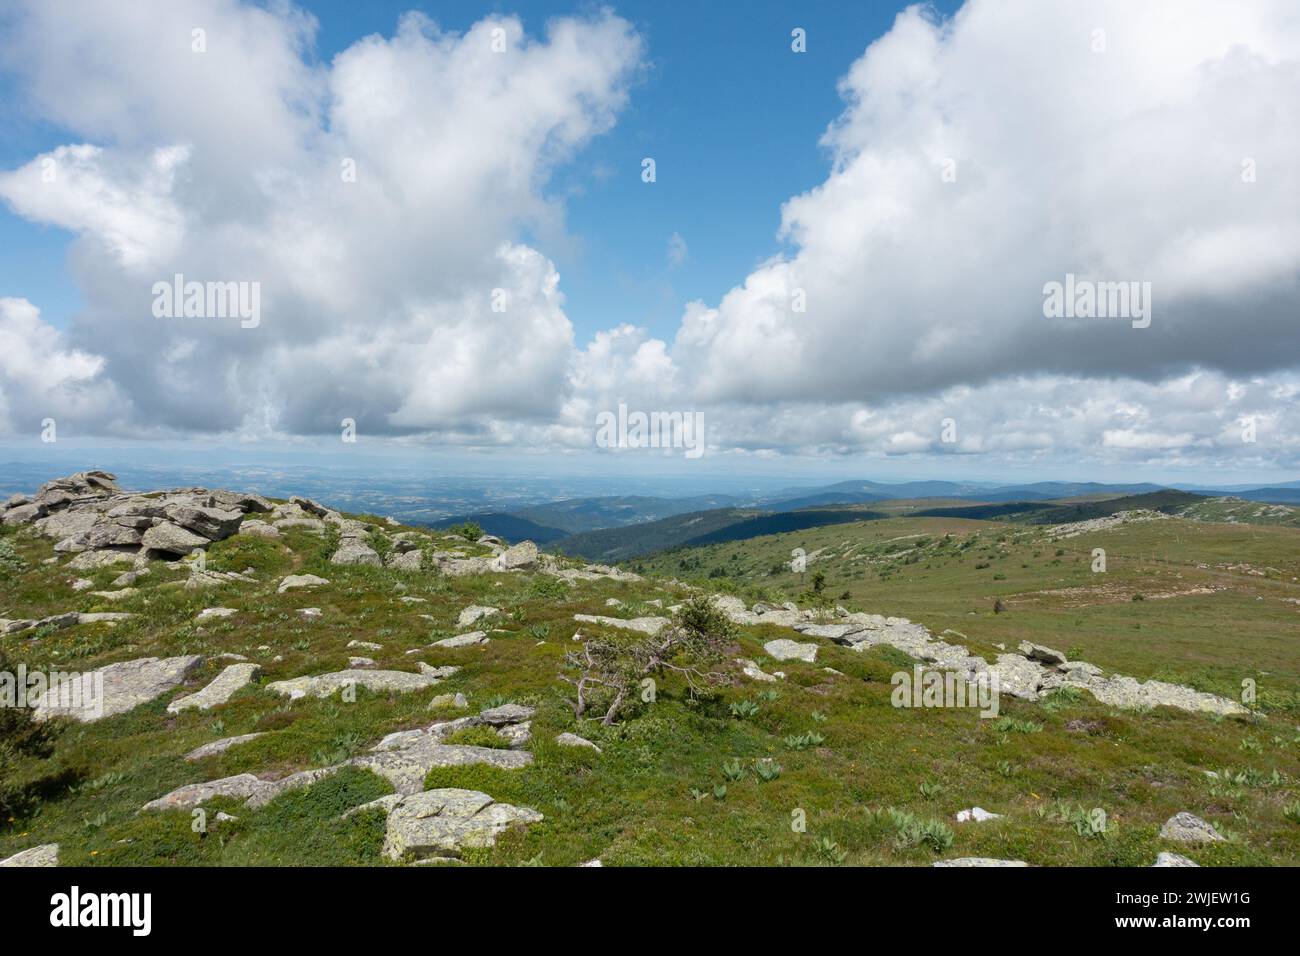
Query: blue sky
point(936, 168)
point(715, 87)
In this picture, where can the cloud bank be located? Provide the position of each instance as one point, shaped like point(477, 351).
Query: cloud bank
point(381, 202)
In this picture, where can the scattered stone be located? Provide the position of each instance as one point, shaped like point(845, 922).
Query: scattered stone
point(786, 650)
point(219, 746)
point(219, 691)
point(254, 791)
point(473, 613)
point(355, 662)
point(300, 581)
point(442, 673)
point(114, 596)
point(1044, 655)
point(172, 539)
point(325, 685)
point(978, 814)
point(47, 855)
point(208, 612)
point(82, 584)
point(646, 625)
point(573, 740)
point(1186, 828)
point(443, 822)
point(753, 671)
point(505, 714)
point(979, 861)
point(309, 613)
point(522, 555)
point(355, 552)
point(1173, 859)
point(126, 685)
point(366, 645)
point(102, 617)
point(259, 529)
point(462, 640)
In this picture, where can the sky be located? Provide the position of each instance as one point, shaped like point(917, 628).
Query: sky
point(840, 263)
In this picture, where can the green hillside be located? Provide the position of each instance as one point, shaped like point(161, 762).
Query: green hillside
point(707, 775)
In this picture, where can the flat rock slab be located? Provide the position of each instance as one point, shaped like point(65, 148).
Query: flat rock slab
point(324, 685)
point(786, 650)
point(979, 861)
point(219, 746)
point(210, 612)
point(462, 640)
point(473, 613)
point(1173, 859)
point(406, 766)
point(646, 625)
point(254, 791)
point(47, 855)
point(301, 581)
point(1186, 828)
point(125, 686)
point(102, 617)
point(753, 671)
point(441, 823)
point(219, 691)
point(354, 552)
point(573, 740)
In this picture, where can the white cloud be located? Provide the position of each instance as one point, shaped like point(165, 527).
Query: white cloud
point(42, 377)
point(377, 291)
point(1123, 165)
point(975, 160)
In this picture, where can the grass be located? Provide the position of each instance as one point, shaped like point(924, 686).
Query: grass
point(713, 779)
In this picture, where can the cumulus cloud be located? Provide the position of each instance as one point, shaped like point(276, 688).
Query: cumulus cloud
point(380, 200)
point(42, 377)
point(979, 158)
point(376, 203)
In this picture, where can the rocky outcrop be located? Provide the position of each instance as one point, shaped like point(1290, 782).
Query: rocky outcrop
point(114, 689)
point(254, 791)
point(325, 685)
point(646, 625)
point(1036, 671)
point(354, 545)
point(219, 746)
point(88, 513)
point(473, 613)
point(462, 640)
point(521, 556)
point(786, 650)
point(979, 861)
point(219, 691)
point(47, 855)
point(295, 581)
point(406, 757)
point(573, 740)
point(1186, 828)
point(442, 823)
point(754, 672)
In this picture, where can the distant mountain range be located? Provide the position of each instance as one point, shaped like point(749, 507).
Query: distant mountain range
point(616, 528)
